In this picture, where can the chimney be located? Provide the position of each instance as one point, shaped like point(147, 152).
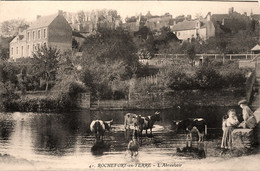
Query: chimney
point(60, 12)
point(188, 17)
point(38, 16)
point(231, 10)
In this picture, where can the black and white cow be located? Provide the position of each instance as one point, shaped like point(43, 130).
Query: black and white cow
point(190, 125)
point(98, 127)
point(145, 123)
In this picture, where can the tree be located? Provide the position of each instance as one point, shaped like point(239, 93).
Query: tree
point(4, 53)
point(107, 56)
point(81, 16)
point(11, 27)
point(191, 52)
point(45, 62)
point(111, 45)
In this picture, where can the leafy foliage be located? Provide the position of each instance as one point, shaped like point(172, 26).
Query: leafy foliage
point(10, 28)
point(45, 62)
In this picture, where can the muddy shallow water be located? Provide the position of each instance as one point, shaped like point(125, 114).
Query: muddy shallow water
point(63, 141)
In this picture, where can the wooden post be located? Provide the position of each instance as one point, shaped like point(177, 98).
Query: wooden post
point(246, 56)
point(215, 56)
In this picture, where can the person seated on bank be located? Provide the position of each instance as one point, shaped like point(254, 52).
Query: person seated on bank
point(229, 123)
point(249, 120)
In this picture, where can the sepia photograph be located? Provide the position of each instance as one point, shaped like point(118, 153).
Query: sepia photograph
point(130, 85)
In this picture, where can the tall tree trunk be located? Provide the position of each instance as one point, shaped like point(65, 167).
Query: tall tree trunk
point(47, 85)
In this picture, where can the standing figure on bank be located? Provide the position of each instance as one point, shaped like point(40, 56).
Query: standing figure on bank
point(249, 120)
point(228, 125)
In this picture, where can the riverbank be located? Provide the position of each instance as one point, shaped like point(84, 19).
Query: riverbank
point(250, 162)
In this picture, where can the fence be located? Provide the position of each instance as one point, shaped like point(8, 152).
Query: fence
point(214, 56)
point(149, 79)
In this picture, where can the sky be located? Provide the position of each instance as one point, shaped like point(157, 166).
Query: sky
point(29, 9)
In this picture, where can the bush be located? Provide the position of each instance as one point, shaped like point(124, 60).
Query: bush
point(234, 78)
point(207, 77)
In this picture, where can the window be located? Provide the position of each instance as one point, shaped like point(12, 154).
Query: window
point(33, 35)
point(33, 47)
point(39, 34)
point(28, 50)
point(28, 35)
point(38, 46)
point(12, 51)
point(17, 39)
point(44, 44)
point(16, 50)
point(44, 33)
point(21, 50)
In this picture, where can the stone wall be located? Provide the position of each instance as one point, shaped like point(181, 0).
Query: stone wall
point(155, 100)
point(243, 138)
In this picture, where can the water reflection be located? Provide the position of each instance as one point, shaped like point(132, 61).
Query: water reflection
point(6, 128)
point(194, 152)
point(66, 138)
point(99, 148)
point(56, 134)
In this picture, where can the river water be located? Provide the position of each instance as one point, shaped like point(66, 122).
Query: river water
point(52, 141)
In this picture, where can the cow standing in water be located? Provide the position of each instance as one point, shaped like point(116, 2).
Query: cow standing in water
point(145, 123)
point(98, 127)
point(190, 125)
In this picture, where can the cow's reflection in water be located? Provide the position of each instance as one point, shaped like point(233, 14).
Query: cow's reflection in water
point(99, 148)
point(195, 152)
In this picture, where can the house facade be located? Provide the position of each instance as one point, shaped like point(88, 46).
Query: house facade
point(155, 23)
point(199, 28)
point(50, 31)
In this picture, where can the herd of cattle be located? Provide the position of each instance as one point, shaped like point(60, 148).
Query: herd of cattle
point(138, 123)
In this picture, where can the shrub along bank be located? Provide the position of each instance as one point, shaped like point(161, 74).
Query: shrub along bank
point(63, 100)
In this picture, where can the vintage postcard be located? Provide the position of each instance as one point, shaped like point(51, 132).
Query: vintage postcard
point(129, 85)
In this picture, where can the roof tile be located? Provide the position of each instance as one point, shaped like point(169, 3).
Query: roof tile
point(43, 21)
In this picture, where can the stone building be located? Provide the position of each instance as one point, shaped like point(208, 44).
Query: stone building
point(52, 31)
point(198, 28)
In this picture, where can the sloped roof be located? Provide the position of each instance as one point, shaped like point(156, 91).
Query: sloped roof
point(256, 16)
point(43, 21)
point(256, 48)
point(21, 37)
point(77, 34)
point(219, 17)
point(185, 25)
